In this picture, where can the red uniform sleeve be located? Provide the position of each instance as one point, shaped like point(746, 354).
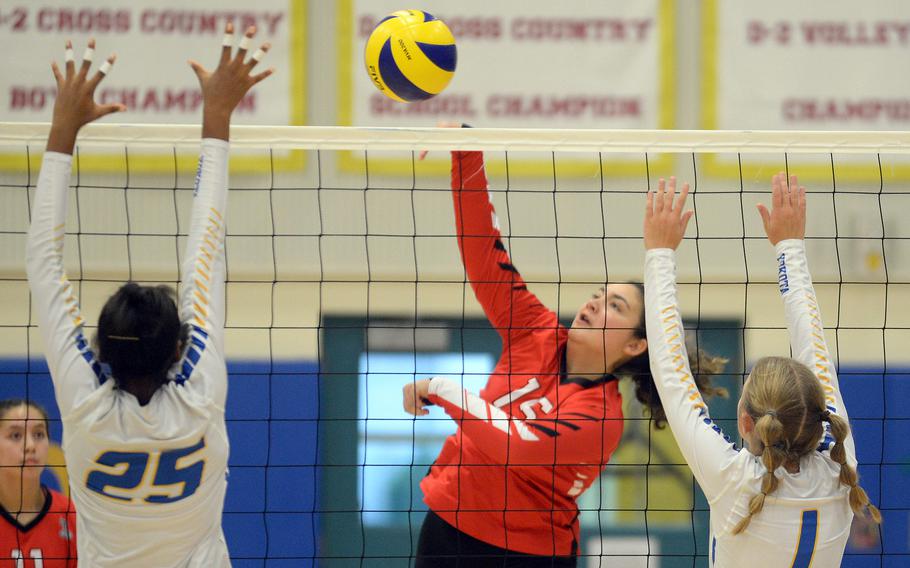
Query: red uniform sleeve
point(497, 284)
point(576, 432)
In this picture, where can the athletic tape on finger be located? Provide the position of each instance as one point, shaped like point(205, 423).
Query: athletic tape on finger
point(68, 55)
point(227, 40)
point(89, 54)
point(260, 53)
point(245, 42)
point(105, 67)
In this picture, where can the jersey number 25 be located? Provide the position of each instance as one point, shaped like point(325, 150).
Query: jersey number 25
point(130, 474)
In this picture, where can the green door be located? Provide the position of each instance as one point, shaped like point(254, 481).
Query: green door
point(372, 455)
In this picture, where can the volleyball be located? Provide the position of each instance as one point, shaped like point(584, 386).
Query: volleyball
point(410, 56)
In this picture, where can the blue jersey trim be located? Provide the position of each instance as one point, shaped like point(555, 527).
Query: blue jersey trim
point(828, 441)
point(89, 356)
point(198, 338)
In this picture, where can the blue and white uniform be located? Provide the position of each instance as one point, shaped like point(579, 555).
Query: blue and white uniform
point(806, 521)
point(148, 481)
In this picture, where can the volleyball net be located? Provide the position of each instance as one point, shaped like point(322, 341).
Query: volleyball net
point(345, 283)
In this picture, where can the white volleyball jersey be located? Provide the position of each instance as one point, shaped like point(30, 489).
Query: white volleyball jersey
point(148, 481)
point(806, 521)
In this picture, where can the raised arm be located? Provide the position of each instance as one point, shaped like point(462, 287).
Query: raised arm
point(202, 295)
point(72, 364)
point(497, 284)
point(785, 225)
point(707, 451)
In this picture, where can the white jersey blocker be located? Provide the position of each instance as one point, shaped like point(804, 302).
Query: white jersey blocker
point(806, 521)
point(148, 481)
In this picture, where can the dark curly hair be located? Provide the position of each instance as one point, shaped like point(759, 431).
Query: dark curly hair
point(638, 369)
point(139, 332)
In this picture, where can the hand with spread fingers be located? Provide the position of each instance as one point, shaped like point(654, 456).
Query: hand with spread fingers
point(75, 105)
point(665, 221)
point(787, 218)
point(225, 87)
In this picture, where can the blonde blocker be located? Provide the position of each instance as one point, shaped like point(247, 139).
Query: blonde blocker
point(787, 403)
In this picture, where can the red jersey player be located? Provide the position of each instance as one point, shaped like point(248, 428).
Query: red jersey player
point(38, 525)
point(504, 486)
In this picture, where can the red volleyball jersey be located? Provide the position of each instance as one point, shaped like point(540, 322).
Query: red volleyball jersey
point(48, 541)
point(534, 439)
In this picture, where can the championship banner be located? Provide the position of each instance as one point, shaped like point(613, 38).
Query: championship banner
point(153, 41)
point(782, 65)
point(599, 65)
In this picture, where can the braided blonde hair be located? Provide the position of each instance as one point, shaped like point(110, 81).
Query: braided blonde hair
point(787, 403)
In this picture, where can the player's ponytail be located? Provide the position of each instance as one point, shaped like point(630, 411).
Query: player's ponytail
point(638, 369)
point(774, 454)
point(787, 403)
point(859, 500)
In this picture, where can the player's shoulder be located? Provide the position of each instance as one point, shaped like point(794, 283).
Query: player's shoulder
point(60, 503)
point(56, 506)
point(545, 327)
point(741, 465)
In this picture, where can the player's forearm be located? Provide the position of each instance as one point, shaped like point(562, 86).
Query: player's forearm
point(489, 269)
point(666, 340)
point(55, 303)
point(488, 427)
point(504, 438)
point(62, 137)
point(216, 123)
point(46, 229)
point(701, 441)
point(804, 323)
point(203, 269)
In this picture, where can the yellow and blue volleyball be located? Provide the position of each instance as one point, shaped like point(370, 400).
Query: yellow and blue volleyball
point(410, 56)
